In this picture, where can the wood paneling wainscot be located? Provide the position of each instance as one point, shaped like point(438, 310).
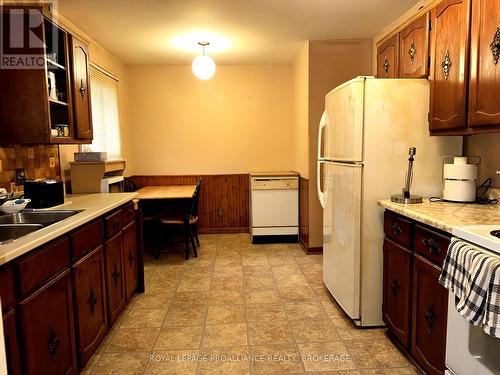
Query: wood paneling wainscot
point(224, 200)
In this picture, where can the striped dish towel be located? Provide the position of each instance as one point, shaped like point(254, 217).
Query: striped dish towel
point(473, 276)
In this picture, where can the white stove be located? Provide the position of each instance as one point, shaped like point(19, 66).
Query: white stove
point(469, 351)
point(487, 236)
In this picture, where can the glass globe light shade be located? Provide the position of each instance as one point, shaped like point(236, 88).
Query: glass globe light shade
point(203, 67)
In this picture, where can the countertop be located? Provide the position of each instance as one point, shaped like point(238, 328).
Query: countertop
point(94, 205)
point(274, 174)
point(446, 215)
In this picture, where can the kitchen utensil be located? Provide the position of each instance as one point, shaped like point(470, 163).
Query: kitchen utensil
point(406, 196)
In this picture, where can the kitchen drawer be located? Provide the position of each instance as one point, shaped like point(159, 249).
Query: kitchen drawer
point(397, 228)
point(128, 213)
point(86, 239)
point(7, 288)
point(36, 268)
point(113, 223)
point(431, 245)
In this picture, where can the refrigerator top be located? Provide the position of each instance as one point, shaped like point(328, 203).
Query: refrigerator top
point(354, 80)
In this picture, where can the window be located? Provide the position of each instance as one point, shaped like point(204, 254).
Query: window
point(105, 116)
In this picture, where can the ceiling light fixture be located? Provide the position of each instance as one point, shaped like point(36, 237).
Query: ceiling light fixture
point(203, 65)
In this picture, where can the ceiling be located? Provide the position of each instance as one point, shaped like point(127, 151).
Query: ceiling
point(240, 31)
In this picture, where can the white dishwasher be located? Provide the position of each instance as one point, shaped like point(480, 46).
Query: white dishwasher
point(274, 207)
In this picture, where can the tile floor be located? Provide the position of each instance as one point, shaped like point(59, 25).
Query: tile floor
point(241, 309)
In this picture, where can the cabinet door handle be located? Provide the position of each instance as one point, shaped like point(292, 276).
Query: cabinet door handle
point(430, 317)
point(92, 300)
point(412, 51)
point(395, 287)
point(396, 229)
point(53, 343)
point(495, 46)
point(115, 275)
point(130, 257)
point(431, 245)
point(83, 90)
point(446, 65)
point(386, 66)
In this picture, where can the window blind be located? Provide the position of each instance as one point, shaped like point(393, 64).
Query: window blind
point(105, 114)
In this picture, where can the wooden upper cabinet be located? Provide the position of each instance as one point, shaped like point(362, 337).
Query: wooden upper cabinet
point(414, 49)
point(81, 89)
point(46, 101)
point(449, 65)
point(388, 58)
point(484, 104)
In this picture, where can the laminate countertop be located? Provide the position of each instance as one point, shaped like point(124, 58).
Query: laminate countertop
point(446, 215)
point(93, 206)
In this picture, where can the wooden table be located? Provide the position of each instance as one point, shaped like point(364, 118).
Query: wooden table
point(159, 193)
point(166, 192)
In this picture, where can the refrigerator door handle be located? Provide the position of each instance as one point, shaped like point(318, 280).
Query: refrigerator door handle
point(322, 125)
point(321, 194)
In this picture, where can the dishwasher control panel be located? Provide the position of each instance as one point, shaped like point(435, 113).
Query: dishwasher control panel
point(275, 183)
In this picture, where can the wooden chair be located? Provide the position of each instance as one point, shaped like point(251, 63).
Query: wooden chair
point(189, 222)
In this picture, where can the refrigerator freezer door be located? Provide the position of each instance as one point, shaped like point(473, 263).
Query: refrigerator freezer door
point(345, 109)
point(342, 235)
point(323, 136)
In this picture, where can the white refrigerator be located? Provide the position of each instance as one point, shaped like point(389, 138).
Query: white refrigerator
point(364, 136)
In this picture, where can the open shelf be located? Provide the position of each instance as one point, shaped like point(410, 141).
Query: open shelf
point(58, 102)
point(55, 64)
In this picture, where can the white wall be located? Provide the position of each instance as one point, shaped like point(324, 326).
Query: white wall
point(239, 121)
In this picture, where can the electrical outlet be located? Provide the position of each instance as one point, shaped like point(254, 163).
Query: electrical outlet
point(20, 176)
point(52, 162)
point(220, 211)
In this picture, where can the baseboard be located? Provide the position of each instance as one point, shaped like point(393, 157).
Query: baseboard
point(310, 250)
point(222, 230)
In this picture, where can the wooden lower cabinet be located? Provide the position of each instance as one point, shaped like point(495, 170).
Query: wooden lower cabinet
point(12, 354)
point(115, 285)
point(415, 305)
point(90, 304)
point(130, 259)
point(430, 306)
point(60, 299)
point(47, 328)
point(397, 290)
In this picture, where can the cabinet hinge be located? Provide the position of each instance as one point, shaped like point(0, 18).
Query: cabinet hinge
point(428, 61)
point(430, 25)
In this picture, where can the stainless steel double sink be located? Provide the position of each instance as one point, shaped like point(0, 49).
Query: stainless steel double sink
point(14, 226)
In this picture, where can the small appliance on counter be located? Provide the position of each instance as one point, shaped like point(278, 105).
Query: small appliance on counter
point(44, 193)
point(460, 178)
point(406, 196)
